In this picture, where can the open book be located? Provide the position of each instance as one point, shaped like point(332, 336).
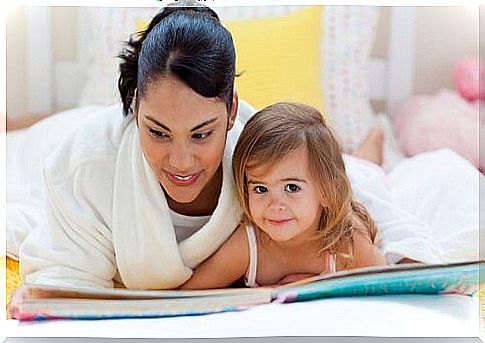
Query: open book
point(48, 302)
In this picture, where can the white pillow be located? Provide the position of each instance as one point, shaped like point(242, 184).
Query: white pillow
point(104, 30)
point(348, 35)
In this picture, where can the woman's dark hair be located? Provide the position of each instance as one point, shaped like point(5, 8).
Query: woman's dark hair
point(185, 40)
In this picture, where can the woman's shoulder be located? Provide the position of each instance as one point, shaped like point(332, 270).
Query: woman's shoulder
point(95, 141)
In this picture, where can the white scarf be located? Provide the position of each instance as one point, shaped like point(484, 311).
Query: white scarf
point(146, 249)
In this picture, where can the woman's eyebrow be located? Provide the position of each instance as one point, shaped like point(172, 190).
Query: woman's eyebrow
point(207, 122)
point(195, 128)
point(156, 122)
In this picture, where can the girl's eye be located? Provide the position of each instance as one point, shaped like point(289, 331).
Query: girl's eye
point(292, 188)
point(157, 134)
point(202, 135)
point(260, 189)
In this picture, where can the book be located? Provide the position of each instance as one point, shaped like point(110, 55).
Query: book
point(49, 302)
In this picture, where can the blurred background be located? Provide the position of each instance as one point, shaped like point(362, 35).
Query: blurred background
point(444, 36)
point(410, 71)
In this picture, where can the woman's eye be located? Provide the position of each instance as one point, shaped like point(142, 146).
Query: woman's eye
point(202, 135)
point(292, 188)
point(157, 134)
point(260, 189)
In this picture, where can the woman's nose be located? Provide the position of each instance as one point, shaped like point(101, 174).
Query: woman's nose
point(181, 158)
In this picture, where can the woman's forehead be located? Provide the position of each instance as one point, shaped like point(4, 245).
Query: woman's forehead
point(173, 103)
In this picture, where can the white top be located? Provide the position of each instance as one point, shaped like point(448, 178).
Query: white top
point(108, 213)
point(186, 226)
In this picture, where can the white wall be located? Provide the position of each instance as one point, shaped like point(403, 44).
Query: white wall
point(438, 49)
point(16, 60)
point(444, 36)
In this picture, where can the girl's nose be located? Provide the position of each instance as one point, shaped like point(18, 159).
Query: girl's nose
point(277, 202)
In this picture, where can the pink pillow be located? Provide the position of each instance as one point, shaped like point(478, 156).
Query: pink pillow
point(443, 120)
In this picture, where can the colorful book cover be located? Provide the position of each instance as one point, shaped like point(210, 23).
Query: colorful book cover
point(459, 278)
point(47, 302)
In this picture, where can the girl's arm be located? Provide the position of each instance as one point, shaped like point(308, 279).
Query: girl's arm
point(225, 266)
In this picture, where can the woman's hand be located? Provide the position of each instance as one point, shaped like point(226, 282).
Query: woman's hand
point(295, 277)
point(16, 298)
point(407, 260)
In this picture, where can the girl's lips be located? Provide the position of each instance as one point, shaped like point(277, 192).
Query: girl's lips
point(278, 222)
point(183, 180)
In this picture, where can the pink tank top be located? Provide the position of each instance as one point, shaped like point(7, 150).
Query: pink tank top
point(250, 275)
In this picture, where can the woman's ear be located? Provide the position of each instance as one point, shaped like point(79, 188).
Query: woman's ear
point(234, 108)
point(134, 105)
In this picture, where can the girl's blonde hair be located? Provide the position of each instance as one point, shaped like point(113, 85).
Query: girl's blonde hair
point(278, 130)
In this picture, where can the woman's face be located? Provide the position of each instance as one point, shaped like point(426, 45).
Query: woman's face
point(182, 135)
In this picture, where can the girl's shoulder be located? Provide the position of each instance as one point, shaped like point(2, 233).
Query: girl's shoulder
point(365, 253)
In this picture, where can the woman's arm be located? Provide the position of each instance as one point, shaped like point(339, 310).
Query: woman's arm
point(74, 246)
point(225, 266)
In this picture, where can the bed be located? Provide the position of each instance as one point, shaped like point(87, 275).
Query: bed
point(349, 81)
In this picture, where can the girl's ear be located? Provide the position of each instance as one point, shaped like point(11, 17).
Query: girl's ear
point(234, 108)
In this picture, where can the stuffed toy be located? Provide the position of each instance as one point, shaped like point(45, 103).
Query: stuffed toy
point(466, 78)
point(447, 119)
point(442, 120)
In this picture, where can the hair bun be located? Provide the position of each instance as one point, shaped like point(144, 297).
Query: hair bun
point(188, 6)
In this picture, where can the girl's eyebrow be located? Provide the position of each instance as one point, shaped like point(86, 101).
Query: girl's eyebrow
point(290, 179)
point(195, 128)
point(294, 179)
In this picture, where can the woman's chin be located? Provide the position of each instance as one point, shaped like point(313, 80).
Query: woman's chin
point(183, 194)
point(182, 197)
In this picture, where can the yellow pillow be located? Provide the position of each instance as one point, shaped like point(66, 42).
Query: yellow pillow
point(279, 58)
point(12, 276)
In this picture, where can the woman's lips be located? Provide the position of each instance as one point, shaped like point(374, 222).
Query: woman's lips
point(183, 180)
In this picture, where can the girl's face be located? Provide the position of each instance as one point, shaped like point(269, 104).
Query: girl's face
point(283, 200)
point(183, 135)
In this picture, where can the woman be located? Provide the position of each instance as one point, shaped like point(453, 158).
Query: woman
point(143, 198)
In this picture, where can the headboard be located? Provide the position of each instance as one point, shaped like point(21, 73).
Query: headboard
point(391, 80)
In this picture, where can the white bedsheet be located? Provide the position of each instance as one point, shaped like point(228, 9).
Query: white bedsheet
point(26, 152)
point(440, 187)
point(389, 316)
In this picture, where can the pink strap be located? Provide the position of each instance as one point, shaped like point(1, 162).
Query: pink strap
point(330, 263)
point(253, 258)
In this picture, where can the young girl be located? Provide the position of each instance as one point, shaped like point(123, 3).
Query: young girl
point(299, 216)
